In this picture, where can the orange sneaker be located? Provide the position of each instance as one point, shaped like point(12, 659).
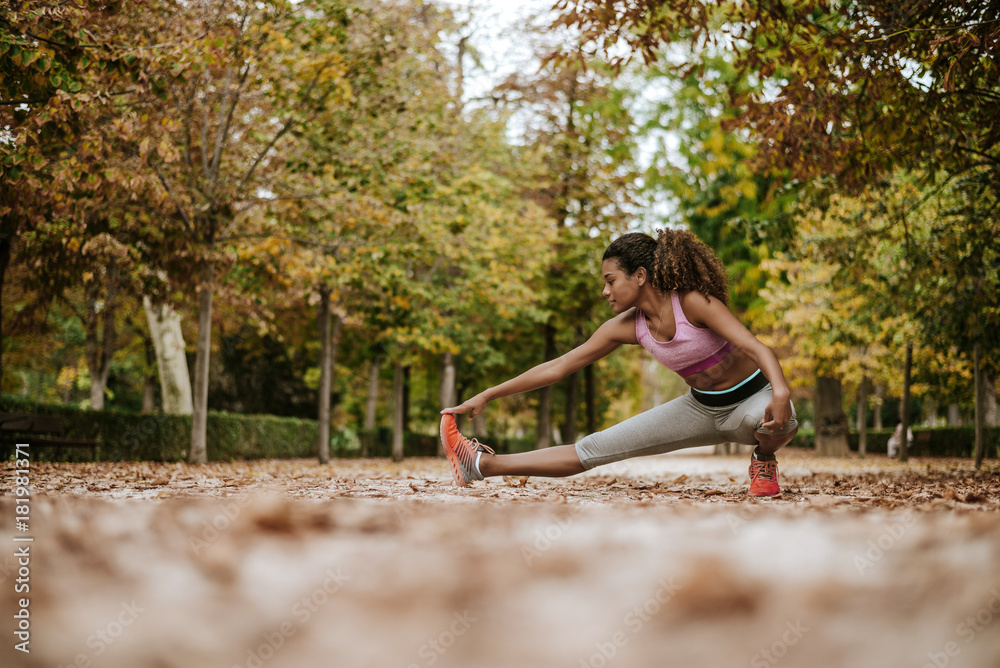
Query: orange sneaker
point(462, 452)
point(764, 478)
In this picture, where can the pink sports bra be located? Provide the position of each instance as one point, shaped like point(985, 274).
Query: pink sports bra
point(692, 349)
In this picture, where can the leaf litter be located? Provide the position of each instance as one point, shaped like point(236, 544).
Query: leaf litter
point(656, 561)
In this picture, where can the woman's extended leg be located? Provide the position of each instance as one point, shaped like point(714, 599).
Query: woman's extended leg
point(681, 423)
point(471, 460)
point(677, 424)
point(556, 462)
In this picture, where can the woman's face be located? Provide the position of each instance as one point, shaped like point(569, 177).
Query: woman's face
point(620, 289)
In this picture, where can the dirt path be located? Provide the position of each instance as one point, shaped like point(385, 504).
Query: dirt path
point(660, 561)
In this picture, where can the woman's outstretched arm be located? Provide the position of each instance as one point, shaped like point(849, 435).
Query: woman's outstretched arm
point(610, 335)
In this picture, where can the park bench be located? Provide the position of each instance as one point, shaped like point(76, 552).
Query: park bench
point(39, 431)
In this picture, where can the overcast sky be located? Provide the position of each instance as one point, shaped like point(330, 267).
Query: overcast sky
point(498, 34)
point(498, 37)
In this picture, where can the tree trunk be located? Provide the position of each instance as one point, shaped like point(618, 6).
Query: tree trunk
point(723, 449)
point(863, 417)
point(460, 70)
point(99, 327)
point(5, 243)
point(397, 422)
point(877, 418)
point(407, 371)
point(569, 434)
point(904, 407)
point(371, 406)
point(476, 428)
point(148, 395)
point(977, 370)
point(954, 416)
point(449, 396)
point(930, 410)
point(591, 398)
point(988, 392)
point(543, 432)
point(149, 383)
point(325, 373)
point(171, 362)
point(338, 326)
point(831, 421)
point(199, 416)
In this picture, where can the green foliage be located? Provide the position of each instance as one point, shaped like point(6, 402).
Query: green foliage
point(128, 436)
point(855, 90)
point(934, 442)
point(704, 171)
point(871, 273)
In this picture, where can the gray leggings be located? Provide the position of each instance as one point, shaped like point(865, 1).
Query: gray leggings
point(682, 423)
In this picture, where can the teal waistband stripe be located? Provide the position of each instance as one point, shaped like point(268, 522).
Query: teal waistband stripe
point(731, 389)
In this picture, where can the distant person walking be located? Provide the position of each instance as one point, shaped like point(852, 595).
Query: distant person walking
point(670, 296)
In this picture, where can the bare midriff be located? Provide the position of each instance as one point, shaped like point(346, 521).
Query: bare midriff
point(732, 370)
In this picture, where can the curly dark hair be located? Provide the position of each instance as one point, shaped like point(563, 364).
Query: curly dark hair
point(676, 261)
point(631, 251)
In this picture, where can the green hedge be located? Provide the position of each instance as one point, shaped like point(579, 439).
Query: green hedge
point(935, 442)
point(128, 436)
point(878, 441)
point(378, 443)
point(156, 437)
point(805, 438)
point(928, 442)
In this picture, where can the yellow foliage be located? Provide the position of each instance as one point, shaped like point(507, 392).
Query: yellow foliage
point(840, 319)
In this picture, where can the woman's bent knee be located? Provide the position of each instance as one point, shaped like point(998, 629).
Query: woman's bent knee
point(775, 442)
point(586, 452)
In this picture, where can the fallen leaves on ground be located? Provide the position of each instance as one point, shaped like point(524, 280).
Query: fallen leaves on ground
point(373, 563)
point(874, 482)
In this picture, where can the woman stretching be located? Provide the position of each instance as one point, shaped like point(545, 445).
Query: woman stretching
point(670, 296)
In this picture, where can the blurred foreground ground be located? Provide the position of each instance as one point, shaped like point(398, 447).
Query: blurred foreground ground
point(659, 561)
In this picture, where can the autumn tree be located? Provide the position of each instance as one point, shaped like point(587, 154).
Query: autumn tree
point(60, 65)
point(867, 285)
point(863, 87)
point(578, 123)
point(405, 239)
point(235, 85)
